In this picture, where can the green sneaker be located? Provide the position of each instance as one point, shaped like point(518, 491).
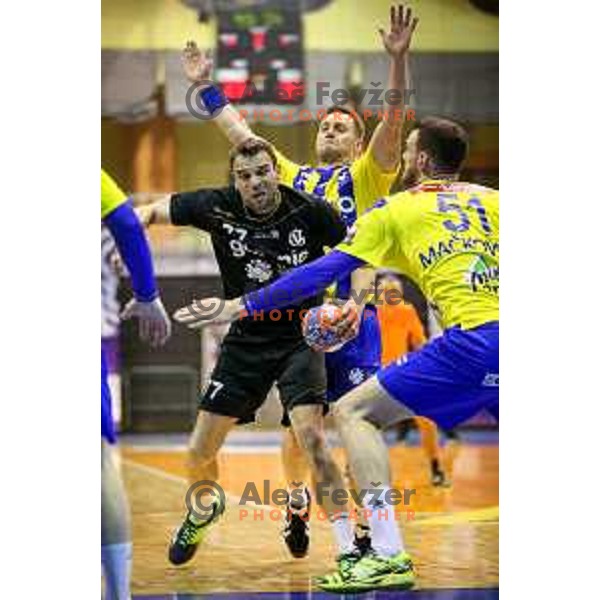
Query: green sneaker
point(345, 563)
point(190, 535)
point(372, 572)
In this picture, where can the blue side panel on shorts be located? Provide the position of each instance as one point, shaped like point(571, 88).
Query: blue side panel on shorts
point(340, 380)
point(357, 360)
point(365, 349)
point(451, 378)
point(108, 427)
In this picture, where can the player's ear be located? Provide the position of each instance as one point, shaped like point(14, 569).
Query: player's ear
point(423, 162)
point(359, 146)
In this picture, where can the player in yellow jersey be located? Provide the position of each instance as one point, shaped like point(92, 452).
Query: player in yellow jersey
point(155, 327)
point(444, 235)
point(351, 177)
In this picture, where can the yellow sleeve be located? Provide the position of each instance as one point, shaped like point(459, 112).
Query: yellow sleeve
point(369, 238)
point(110, 193)
point(286, 168)
point(370, 180)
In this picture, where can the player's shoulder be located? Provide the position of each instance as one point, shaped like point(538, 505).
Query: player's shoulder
point(302, 200)
point(366, 159)
point(107, 183)
point(111, 195)
point(222, 197)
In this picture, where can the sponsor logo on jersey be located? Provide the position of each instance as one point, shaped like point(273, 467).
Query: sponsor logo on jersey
point(259, 270)
point(483, 276)
point(296, 238)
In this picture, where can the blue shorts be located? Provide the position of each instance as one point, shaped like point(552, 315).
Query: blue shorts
point(108, 427)
point(451, 378)
point(357, 360)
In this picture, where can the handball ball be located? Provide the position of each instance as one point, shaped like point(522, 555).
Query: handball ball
point(318, 330)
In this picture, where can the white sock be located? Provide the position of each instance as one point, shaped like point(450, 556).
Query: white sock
point(116, 563)
point(342, 531)
point(386, 538)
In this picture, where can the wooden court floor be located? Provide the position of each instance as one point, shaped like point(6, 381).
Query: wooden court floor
point(453, 534)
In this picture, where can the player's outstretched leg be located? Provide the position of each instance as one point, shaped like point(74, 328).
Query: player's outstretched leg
point(296, 532)
point(360, 415)
point(205, 503)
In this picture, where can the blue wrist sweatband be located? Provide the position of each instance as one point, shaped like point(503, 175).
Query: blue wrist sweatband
point(213, 98)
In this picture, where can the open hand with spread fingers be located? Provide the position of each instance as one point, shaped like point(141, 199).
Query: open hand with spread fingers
point(402, 25)
point(197, 64)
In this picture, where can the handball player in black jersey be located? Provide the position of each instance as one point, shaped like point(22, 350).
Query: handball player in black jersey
point(259, 230)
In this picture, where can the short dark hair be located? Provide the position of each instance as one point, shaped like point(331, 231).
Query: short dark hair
point(251, 147)
point(358, 120)
point(445, 141)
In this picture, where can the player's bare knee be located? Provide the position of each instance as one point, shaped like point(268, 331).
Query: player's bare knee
point(347, 411)
point(313, 441)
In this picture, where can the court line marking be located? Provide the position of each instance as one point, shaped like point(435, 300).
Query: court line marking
point(490, 513)
point(230, 449)
point(182, 480)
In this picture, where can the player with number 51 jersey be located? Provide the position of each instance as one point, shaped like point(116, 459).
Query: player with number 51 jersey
point(444, 236)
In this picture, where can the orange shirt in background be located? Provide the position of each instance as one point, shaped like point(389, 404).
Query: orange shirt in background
point(401, 330)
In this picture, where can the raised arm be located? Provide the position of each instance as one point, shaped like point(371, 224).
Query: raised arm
point(385, 142)
point(198, 68)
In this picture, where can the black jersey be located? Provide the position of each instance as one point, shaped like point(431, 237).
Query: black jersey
point(252, 253)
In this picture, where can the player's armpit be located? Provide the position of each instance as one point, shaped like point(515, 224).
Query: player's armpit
point(375, 183)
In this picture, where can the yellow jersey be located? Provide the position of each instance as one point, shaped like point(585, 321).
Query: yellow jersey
point(443, 235)
point(351, 189)
point(111, 195)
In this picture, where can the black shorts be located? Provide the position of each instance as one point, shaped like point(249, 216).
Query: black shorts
point(249, 365)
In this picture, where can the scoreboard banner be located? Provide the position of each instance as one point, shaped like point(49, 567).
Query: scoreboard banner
point(260, 55)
